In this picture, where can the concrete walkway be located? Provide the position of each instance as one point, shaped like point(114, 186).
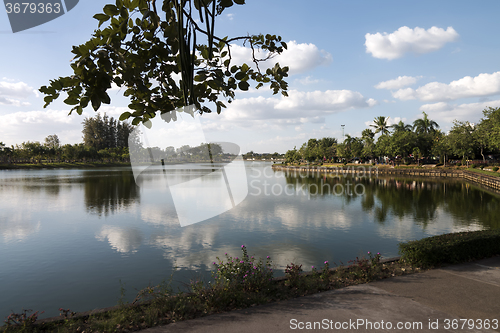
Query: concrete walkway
point(438, 300)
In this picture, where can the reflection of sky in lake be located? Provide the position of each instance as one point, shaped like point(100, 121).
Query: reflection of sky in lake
point(67, 237)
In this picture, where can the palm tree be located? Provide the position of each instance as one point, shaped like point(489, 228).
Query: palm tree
point(425, 125)
point(401, 127)
point(380, 125)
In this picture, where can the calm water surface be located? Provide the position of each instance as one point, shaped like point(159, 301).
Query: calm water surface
point(72, 238)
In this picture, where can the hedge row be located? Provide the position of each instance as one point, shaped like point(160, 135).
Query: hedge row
point(451, 248)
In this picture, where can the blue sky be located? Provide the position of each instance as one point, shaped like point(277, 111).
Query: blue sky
point(350, 62)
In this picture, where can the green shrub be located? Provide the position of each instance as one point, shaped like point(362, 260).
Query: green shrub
point(481, 166)
point(459, 164)
point(495, 169)
point(294, 275)
point(439, 164)
point(245, 273)
point(451, 248)
point(473, 166)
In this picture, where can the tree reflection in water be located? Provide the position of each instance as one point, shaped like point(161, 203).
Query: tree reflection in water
point(416, 198)
point(107, 192)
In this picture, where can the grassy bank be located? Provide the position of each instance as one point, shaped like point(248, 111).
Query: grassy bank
point(485, 172)
point(240, 282)
point(62, 165)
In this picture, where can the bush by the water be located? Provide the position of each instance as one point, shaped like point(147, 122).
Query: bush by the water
point(495, 169)
point(451, 248)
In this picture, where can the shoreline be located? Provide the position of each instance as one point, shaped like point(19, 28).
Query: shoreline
point(61, 165)
point(487, 181)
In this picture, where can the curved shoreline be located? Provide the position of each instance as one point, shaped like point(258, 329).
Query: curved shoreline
point(489, 182)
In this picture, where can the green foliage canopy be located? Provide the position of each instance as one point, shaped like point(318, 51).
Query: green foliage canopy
point(148, 54)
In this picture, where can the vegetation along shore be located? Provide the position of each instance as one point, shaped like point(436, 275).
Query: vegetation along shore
point(233, 286)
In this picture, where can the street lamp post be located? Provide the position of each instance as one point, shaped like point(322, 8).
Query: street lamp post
point(343, 133)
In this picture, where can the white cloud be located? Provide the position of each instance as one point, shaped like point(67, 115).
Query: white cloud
point(329, 101)
point(398, 83)
point(267, 117)
point(230, 16)
point(17, 225)
point(19, 89)
point(390, 121)
point(121, 239)
point(297, 108)
point(14, 102)
point(407, 40)
point(482, 85)
point(10, 92)
point(371, 102)
point(445, 112)
point(404, 94)
point(298, 57)
point(21, 126)
point(307, 81)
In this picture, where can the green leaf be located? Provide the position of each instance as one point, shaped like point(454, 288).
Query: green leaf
point(244, 68)
point(125, 115)
point(96, 102)
point(226, 3)
point(243, 85)
point(239, 2)
point(101, 18)
point(71, 100)
point(240, 76)
point(213, 84)
point(136, 121)
point(110, 10)
point(134, 4)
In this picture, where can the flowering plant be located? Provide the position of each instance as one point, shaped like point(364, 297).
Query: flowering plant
point(245, 273)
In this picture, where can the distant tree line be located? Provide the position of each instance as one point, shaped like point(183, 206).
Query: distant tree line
point(262, 156)
point(205, 152)
point(104, 139)
point(406, 143)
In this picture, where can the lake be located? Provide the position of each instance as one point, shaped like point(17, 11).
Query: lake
point(74, 238)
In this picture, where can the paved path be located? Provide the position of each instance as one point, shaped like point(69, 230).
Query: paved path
point(423, 302)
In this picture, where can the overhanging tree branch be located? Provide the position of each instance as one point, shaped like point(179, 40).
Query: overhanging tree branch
point(146, 53)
